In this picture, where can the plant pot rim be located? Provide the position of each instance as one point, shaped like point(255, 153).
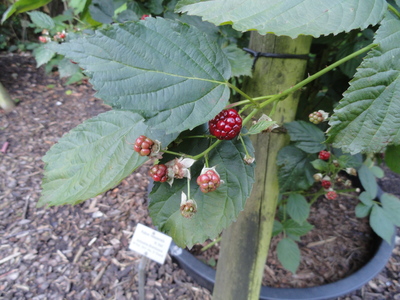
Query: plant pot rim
point(204, 275)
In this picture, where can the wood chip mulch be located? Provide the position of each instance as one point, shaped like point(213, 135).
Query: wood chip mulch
point(81, 252)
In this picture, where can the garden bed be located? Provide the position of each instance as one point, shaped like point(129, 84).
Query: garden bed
point(81, 252)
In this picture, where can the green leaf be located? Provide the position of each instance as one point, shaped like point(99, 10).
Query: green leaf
point(291, 18)
point(22, 6)
point(368, 180)
point(42, 55)
point(377, 171)
point(277, 228)
point(295, 169)
point(366, 119)
point(260, 127)
point(362, 210)
point(67, 68)
point(381, 223)
point(391, 206)
point(320, 165)
point(292, 227)
point(366, 198)
point(288, 254)
point(42, 20)
point(215, 210)
point(170, 73)
point(240, 61)
point(94, 157)
point(298, 208)
point(392, 158)
point(102, 11)
point(307, 136)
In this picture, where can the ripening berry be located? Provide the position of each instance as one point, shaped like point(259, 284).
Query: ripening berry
point(209, 181)
point(324, 155)
point(326, 184)
point(144, 17)
point(226, 125)
point(143, 145)
point(159, 173)
point(331, 195)
point(315, 117)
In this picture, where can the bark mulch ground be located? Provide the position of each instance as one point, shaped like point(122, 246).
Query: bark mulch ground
point(81, 252)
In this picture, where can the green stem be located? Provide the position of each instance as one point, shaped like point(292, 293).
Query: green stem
point(317, 75)
point(394, 10)
point(243, 94)
point(205, 152)
point(206, 247)
point(176, 153)
point(242, 102)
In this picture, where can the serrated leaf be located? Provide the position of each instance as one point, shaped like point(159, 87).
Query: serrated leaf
point(94, 157)
point(307, 136)
point(42, 55)
point(292, 227)
point(215, 210)
point(102, 11)
point(298, 208)
point(22, 6)
point(291, 18)
point(240, 61)
point(392, 158)
point(295, 169)
point(366, 198)
point(288, 254)
point(260, 127)
point(67, 68)
point(368, 180)
point(366, 119)
point(277, 228)
point(391, 205)
point(381, 224)
point(41, 20)
point(170, 73)
point(362, 210)
point(320, 165)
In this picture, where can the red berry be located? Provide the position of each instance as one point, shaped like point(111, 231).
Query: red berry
point(159, 173)
point(332, 195)
point(324, 155)
point(226, 125)
point(143, 145)
point(144, 17)
point(326, 184)
point(209, 181)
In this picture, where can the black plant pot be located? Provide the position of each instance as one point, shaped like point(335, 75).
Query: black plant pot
point(204, 275)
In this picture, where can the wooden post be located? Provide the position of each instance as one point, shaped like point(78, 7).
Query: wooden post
point(245, 243)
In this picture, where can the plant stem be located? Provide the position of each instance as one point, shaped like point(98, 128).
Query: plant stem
point(177, 154)
point(205, 152)
point(206, 247)
point(243, 94)
point(394, 10)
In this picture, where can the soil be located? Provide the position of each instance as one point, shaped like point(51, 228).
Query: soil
point(81, 252)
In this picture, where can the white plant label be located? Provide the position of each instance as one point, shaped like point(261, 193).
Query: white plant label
point(150, 243)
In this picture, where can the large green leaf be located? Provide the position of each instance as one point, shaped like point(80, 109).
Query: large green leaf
point(94, 157)
point(366, 119)
point(169, 72)
point(298, 208)
point(42, 20)
point(22, 6)
point(381, 224)
point(215, 210)
point(288, 254)
point(290, 18)
point(307, 136)
point(295, 169)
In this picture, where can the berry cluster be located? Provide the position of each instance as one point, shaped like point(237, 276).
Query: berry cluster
point(317, 117)
point(59, 37)
point(159, 173)
point(226, 125)
point(209, 181)
point(143, 145)
point(324, 155)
